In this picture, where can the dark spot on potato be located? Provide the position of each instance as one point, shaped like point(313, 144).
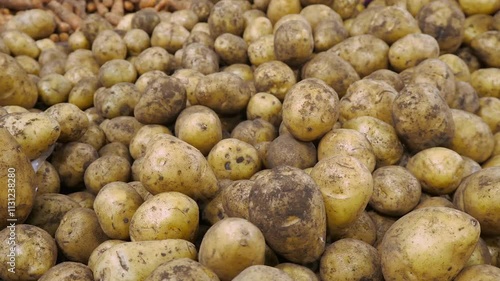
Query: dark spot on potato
point(240, 159)
point(227, 166)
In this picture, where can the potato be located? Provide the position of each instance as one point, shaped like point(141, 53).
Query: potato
point(18, 180)
point(286, 150)
point(448, 28)
point(231, 48)
point(77, 40)
point(473, 138)
point(146, 19)
point(278, 8)
point(29, 64)
point(201, 58)
point(254, 131)
point(475, 25)
point(168, 215)
point(48, 211)
point(34, 132)
point(386, 146)
point(470, 166)
point(350, 259)
point(480, 272)
point(437, 73)
point(234, 198)
point(233, 159)
point(261, 50)
point(481, 254)
point(223, 92)
point(202, 38)
point(115, 71)
point(189, 78)
point(174, 165)
point(466, 97)
point(84, 198)
point(346, 9)
point(71, 160)
point(244, 246)
point(93, 24)
point(257, 28)
point(266, 107)
point(107, 46)
point(68, 271)
point(466, 54)
point(15, 87)
point(94, 136)
point(363, 229)
point(115, 149)
point(298, 272)
point(333, 70)
point(347, 142)
point(307, 121)
point(213, 211)
point(47, 179)
point(447, 252)
point(485, 46)
point(72, 120)
point(101, 249)
point(412, 49)
point(422, 118)
point(36, 23)
point(200, 127)
point(328, 34)
point(226, 17)
point(485, 81)
point(137, 260)
point(301, 193)
point(476, 196)
point(482, 7)
point(244, 71)
point(136, 40)
point(396, 191)
point(83, 59)
point(297, 33)
point(120, 129)
point(183, 269)
point(140, 140)
point(392, 23)
point(153, 58)
point(82, 93)
point(20, 43)
point(274, 77)
point(104, 170)
point(435, 201)
point(119, 100)
point(32, 252)
point(54, 88)
point(262, 272)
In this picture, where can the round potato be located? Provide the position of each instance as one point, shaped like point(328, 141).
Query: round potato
point(140, 140)
point(34, 252)
point(226, 17)
point(483, 272)
point(257, 28)
point(94, 136)
point(20, 43)
point(481, 254)
point(121, 129)
point(265, 106)
point(115, 149)
point(286, 150)
point(234, 159)
point(486, 82)
point(71, 160)
point(261, 50)
point(190, 79)
point(67, 271)
point(278, 8)
point(328, 34)
point(437, 73)
point(72, 120)
point(107, 46)
point(435, 201)
point(363, 229)
point(298, 272)
point(466, 97)
point(153, 58)
point(485, 46)
point(84, 199)
point(274, 77)
point(244, 246)
point(104, 170)
point(350, 259)
point(170, 36)
point(77, 40)
point(235, 198)
point(136, 40)
point(412, 49)
point(81, 58)
point(297, 33)
point(262, 272)
point(231, 48)
point(244, 71)
point(119, 100)
point(392, 23)
point(116, 71)
point(183, 269)
point(82, 93)
point(167, 215)
point(101, 249)
point(254, 131)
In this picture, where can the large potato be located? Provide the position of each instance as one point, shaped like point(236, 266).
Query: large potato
point(133, 261)
point(412, 49)
point(226, 17)
point(32, 252)
point(297, 33)
point(15, 87)
point(34, 132)
point(299, 237)
point(140, 140)
point(346, 185)
point(450, 237)
point(167, 215)
point(171, 164)
point(310, 109)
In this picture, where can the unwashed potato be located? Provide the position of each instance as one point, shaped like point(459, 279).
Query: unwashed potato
point(167, 215)
point(94, 136)
point(392, 23)
point(450, 234)
point(244, 71)
point(412, 49)
point(422, 118)
point(137, 260)
point(106, 169)
point(101, 249)
point(35, 252)
point(458, 67)
point(235, 198)
point(435, 201)
point(115, 71)
point(29, 64)
point(169, 36)
point(66, 271)
point(265, 106)
point(481, 254)
point(183, 269)
point(476, 195)
point(15, 87)
point(77, 40)
point(289, 189)
point(190, 79)
point(171, 164)
point(361, 22)
point(140, 140)
point(274, 77)
point(34, 132)
point(488, 111)
point(486, 82)
point(466, 97)
point(118, 100)
point(107, 46)
point(200, 57)
point(47, 179)
point(71, 160)
point(121, 129)
point(439, 74)
point(20, 43)
point(257, 28)
point(72, 120)
point(328, 34)
point(485, 46)
point(480, 272)
point(254, 131)
point(84, 198)
point(278, 8)
point(390, 77)
point(261, 50)
point(234, 159)
point(79, 234)
point(263, 272)
point(49, 209)
point(115, 149)
point(226, 17)
point(153, 58)
point(350, 259)
point(36, 23)
point(363, 229)
point(298, 272)
point(286, 150)
point(297, 33)
point(83, 59)
point(231, 48)
point(82, 93)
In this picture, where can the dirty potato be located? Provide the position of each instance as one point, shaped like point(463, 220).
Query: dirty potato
point(274, 77)
point(412, 49)
point(234, 159)
point(392, 23)
point(485, 46)
point(265, 106)
point(71, 160)
point(297, 33)
point(286, 150)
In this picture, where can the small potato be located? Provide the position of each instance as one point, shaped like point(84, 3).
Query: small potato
point(29, 64)
point(438, 169)
point(15, 87)
point(121, 129)
point(254, 131)
point(466, 97)
point(226, 17)
point(333, 70)
point(200, 127)
point(316, 13)
point(396, 191)
point(473, 138)
point(328, 34)
point(310, 109)
point(368, 98)
point(72, 120)
point(286, 150)
point(104, 170)
point(71, 160)
point(297, 33)
point(382, 224)
point(153, 58)
point(201, 58)
point(360, 23)
point(467, 55)
point(140, 140)
point(115, 149)
point(147, 78)
point(67, 271)
point(49, 209)
point(224, 93)
point(83, 198)
point(350, 259)
point(392, 23)
point(77, 40)
point(400, 256)
point(168, 215)
point(83, 59)
point(437, 73)
point(475, 25)
point(137, 260)
point(35, 252)
point(107, 46)
point(213, 211)
point(54, 88)
point(20, 43)
point(234, 198)
point(119, 100)
point(486, 82)
point(231, 48)
point(189, 78)
point(298, 272)
point(183, 269)
point(274, 77)
point(136, 40)
point(79, 234)
point(198, 37)
point(116, 71)
point(256, 29)
point(171, 164)
point(75, 74)
point(115, 205)
point(477, 195)
point(279, 8)
point(93, 25)
point(412, 49)
point(202, 10)
point(262, 272)
point(265, 106)
point(447, 28)
point(82, 93)
point(363, 229)
point(234, 159)
point(185, 17)
point(458, 67)
point(244, 71)
point(47, 179)
point(485, 46)
point(385, 143)
point(261, 50)
point(422, 118)
point(34, 132)
point(146, 19)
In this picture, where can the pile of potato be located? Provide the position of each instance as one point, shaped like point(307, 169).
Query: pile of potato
point(253, 140)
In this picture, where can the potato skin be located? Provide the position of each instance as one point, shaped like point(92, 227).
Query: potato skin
point(448, 250)
point(299, 237)
point(104, 170)
point(262, 272)
point(485, 46)
point(297, 33)
point(72, 121)
point(71, 160)
point(66, 271)
point(183, 269)
point(412, 49)
point(480, 272)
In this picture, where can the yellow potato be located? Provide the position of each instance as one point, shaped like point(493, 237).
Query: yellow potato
point(234, 159)
point(363, 229)
point(298, 272)
point(412, 49)
point(481, 272)
point(183, 269)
